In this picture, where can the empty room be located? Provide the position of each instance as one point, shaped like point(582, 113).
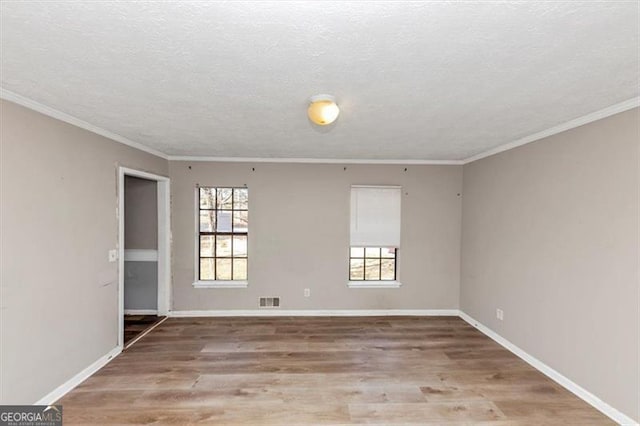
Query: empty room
point(320, 213)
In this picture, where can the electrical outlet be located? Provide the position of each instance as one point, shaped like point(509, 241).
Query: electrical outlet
point(307, 292)
point(113, 255)
point(499, 314)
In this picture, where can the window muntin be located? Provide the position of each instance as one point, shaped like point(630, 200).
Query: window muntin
point(372, 264)
point(223, 235)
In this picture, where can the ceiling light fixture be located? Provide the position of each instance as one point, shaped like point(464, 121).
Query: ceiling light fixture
point(323, 109)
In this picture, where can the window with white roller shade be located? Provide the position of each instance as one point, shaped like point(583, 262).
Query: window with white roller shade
point(375, 216)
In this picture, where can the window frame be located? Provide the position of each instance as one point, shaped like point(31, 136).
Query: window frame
point(374, 283)
point(375, 222)
point(219, 283)
point(379, 258)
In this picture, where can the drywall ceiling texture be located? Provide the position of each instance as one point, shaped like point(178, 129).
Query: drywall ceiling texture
point(414, 80)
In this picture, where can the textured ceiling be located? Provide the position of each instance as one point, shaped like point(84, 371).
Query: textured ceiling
point(428, 81)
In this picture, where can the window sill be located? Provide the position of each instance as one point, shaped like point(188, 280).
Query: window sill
point(374, 284)
point(220, 284)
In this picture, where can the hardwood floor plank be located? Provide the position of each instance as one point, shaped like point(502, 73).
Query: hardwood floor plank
point(533, 410)
point(255, 413)
point(105, 382)
point(306, 370)
point(467, 411)
point(321, 381)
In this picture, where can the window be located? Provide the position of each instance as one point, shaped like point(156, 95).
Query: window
point(375, 236)
point(223, 234)
point(372, 264)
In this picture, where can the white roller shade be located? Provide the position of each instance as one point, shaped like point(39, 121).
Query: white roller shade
point(375, 216)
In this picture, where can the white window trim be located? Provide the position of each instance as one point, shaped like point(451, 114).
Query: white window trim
point(221, 284)
point(374, 284)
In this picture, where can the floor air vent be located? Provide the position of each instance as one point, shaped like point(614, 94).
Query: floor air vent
point(269, 302)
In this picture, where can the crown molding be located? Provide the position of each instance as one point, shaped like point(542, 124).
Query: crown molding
point(54, 113)
point(63, 116)
point(312, 160)
point(571, 124)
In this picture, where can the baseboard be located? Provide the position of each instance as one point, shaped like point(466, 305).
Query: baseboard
point(316, 313)
point(554, 375)
point(140, 312)
point(67, 386)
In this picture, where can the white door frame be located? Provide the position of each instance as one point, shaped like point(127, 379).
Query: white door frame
point(164, 243)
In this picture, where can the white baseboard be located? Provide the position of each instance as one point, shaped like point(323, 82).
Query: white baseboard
point(554, 375)
point(141, 312)
point(316, 313)
point(67, 386)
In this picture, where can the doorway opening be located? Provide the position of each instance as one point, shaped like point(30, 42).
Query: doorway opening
point(144, 257)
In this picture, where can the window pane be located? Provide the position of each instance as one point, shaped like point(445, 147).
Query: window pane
point(240, 221)
point(239, 269)
point(207, 271)
point(239, 246)
point(356, 271)
point(223, 212)
point(206, 245)
point(223, 269)
point(224, 198)
point(389, 252)
point(372, 252)
point(240, 199)
point(388, 267)
point(223, 245)
point(357, 251)
point(207, 198)
point(372, 269)
point(224, 221)
point(207, 220)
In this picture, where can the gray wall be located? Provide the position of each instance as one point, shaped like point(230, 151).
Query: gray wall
point(141, 232)
point(299, 235)
point(59, 306)
point(140, 285)
point(550, 235)
point(140, 213)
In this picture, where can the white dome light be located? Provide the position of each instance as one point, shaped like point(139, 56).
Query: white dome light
point(323, 109)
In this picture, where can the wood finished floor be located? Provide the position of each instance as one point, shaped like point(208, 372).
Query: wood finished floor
point(298, 371)
point(135, 325)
